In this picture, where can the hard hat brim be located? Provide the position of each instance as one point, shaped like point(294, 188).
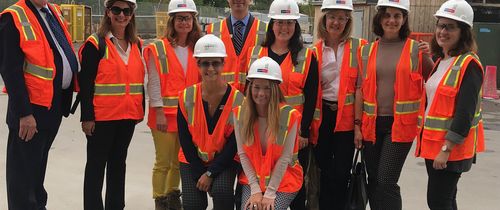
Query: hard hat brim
point(443, 15)
point(392, 5)
point(336, 7)
point(182, 10)
point(284, 17)
point(210, 55)
point(260, 76)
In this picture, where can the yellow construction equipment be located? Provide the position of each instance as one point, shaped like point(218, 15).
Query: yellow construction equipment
point(79, 19)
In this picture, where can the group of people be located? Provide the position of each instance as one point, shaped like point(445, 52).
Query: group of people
point(248, 101)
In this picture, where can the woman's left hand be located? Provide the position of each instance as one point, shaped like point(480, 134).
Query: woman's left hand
point(204, 183)
point(303, 142)
point(441, 160)
point(267, 203)
point(424, 47)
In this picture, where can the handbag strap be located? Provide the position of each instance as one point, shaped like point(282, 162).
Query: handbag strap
point(355, 160)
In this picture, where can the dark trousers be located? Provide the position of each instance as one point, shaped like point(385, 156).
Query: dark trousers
point(107, 151)
point(384, 162)
point(26, 166)
point(221, 191)
point(334, 154)
point(299, 202)
point(441, 188)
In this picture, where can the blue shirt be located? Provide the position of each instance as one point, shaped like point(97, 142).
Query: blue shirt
point(244, 20)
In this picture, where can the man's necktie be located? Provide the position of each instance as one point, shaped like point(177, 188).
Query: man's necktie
point(61, 39)
point(238, 36)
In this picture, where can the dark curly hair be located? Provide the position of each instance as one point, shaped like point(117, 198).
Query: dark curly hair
point(294, 45)
point(404, 31)
point(466, 43)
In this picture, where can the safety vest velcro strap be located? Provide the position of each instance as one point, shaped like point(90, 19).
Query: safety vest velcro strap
point(109, 89)
point(353, 57)
point(349, 99)
point(170, 101)
point(28, 32)
point(203, 155)
point(295, 100)
point(317, 114)
point(443, 124)
point(38, 71)
point(228, 76)
point(136, 88)
point(368, 108)
point(162, 57)
point(407, 107)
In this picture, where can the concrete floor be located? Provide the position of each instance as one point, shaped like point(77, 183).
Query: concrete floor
point(478, 189)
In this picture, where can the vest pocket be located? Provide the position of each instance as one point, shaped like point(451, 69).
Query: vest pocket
point(444, 100)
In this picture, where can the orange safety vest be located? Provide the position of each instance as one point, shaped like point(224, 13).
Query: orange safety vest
point(408, 88)
point(294, 80)
point(118, 91)
point(172, 79)
point(39, 67)
point(441, 113)
point(347, 85)
point(191, 105)
point(263, 164)
point(234, 71)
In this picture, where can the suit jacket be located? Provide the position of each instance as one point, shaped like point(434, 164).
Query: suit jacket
point(11, 69)
point(247, 27)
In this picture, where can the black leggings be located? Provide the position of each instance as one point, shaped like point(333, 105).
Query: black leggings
point(221, 190)
point(384, 162)
point(441, 188)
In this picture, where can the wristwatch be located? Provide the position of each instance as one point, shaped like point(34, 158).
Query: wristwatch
point(357, 122)
point(209, 174)
point(445, 148)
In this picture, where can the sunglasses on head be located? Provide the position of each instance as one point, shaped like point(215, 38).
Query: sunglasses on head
point(207, 64)
point(117, 10)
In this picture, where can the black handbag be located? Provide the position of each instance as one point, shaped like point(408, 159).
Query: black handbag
point(357, 196)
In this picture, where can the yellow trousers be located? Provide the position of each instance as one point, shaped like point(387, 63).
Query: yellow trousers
point(166, 176)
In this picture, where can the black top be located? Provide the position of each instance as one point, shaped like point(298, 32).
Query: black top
point(466, 101)
point(11, 68)
point(310, 91)
point(222, 160)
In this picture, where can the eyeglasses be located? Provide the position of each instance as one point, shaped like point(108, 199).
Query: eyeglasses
point(285, 22)
point(448, 27)
point(341, 20)
point(117, 10)
point(207, 64)
point(180, 19)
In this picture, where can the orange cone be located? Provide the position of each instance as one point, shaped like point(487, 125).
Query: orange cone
point(490, 83)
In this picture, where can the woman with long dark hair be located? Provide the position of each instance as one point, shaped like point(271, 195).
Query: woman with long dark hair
point(451, 129)
point(111, 82)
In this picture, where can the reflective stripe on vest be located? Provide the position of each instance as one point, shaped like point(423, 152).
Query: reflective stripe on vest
point(295, 100)
point(95, 38)
point(353, 59)
point(451, 78)
point(407, 107)
point(284, 121)
point(170, 101)
point(261, 32)
point(38, 71)
point(365, 55)
point(349, 99)
point(444, 124)
point(203, 155)
point(189, 99)
point(162, 57)
point(28, 32)
point(217, 28)
point(228, 76)
point(301, 59)
point(266, 180)
point(237, 101)
point(295, 159)
point(317, 114)
point(255, 54)
point(369, 108)
point(242, 77)
point(117, 89)
point(59, 13)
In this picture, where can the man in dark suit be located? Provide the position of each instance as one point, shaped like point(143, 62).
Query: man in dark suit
point(38, 66)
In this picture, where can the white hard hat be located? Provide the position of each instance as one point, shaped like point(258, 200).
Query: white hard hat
point(209, 46)
point(130, 1)
point(458, 10)
point(284, 10)
point(401, 4)
point(337, 4)
point(265, 68)
point(181, 6)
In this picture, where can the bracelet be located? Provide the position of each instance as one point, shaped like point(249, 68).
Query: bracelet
point(357, 122)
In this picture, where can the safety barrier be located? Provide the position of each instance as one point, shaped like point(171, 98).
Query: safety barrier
point(490, 83)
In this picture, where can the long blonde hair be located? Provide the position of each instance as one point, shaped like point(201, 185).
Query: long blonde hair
point(249, 113)
point(193, 35)
point(105, 25)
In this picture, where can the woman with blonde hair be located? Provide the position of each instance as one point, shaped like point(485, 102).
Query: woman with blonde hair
point(171, 68)
point(111, 82)
point(266, 135)
point(337, 55)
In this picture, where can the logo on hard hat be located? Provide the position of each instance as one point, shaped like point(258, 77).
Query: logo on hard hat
point(208, 46)
point(340, 2)
point(451, 10)
point(287, 11)
point(182, 5)
point(396, 1)
point(264, 70)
